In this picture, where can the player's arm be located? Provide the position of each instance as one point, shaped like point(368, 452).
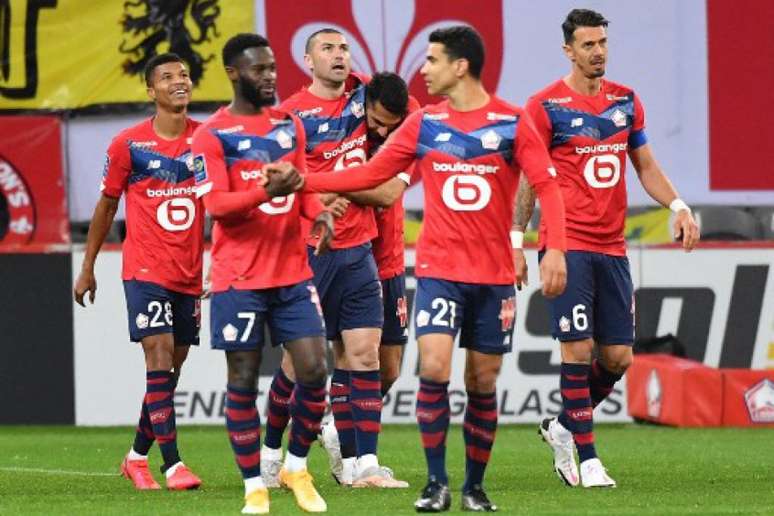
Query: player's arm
point(384, 195)
point(533, 158)
point(101, 220)
point(522, 213)
point(115, 178)
point(397, 153)
point(660, 188)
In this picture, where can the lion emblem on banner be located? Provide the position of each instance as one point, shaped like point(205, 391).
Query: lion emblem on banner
point(153, 27)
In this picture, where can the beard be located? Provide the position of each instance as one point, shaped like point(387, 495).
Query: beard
point(253, 95)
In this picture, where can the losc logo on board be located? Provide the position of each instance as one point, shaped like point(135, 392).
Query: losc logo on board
point(654, 394)
point(760, 402)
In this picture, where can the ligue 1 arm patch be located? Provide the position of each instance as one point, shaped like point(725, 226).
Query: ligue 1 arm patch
point(200, 168)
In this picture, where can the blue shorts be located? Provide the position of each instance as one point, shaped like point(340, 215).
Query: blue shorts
point(598, 302)
point(238, 317)
point(349, 287)
point(483, 313)
point(154, 310)
point(395, 329)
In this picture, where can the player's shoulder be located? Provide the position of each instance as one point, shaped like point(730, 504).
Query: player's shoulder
point(554, 93)
point(616, 89)
point(500, 109)
point(435, 111)
point(192, 123)
point(283, 117)
point(356, 80)
point(293, 102)
point(141, 130)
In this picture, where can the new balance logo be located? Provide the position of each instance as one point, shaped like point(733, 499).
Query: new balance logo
point(323, 128)
point(243, 145)
point(154, 163)
point(576, 122)
point(443, 137)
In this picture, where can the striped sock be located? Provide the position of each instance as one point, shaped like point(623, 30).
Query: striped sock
point(601, 382)
point(433, 415)
point(143, 439)
point(366, 403)
point(342, 413)
point(159, 396)
point(479, 434)
point(277, 409)
point(307, 407)
point(244, 429)
point(577, 414)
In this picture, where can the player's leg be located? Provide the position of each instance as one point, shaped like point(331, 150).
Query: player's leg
point(487, 334)
point(394, 330)
point(360, 320)
point(337, 437)
point(237, 325)
point(614, 325)
point(572, 322)
point(296, 320)
point(438, 316)
point(277, 418)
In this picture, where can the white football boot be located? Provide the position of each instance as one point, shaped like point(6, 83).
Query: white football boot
point(594, 474)
point(560, 440)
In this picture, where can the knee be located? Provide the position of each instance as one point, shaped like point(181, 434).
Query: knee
point(433, 368)
point(313, 374)
point(618, 364)
point(242, 376)
point(481, 381)
point(364, 358)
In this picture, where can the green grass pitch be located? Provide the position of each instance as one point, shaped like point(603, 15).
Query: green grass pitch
point(66, 470)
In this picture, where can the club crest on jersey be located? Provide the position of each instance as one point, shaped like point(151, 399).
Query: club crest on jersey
point(284, 140)
point(142, 321)
point(230, 333)
point(357, 109)
point(507, 313)
point(619, 118)
point(490, 140)
point(199, 168)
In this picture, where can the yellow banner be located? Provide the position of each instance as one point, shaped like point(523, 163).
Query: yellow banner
point(64, 54)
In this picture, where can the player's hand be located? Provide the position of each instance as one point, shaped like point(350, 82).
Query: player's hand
point(520, 264)
point(207, 290)
point(86, 282)
point(686, 229)
point(282, 179)
point(323, 229)
point(553, 273)
point(337, 206)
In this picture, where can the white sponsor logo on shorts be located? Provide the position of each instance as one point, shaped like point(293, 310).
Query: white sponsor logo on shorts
point(141, 321)
point(423, 318)
point(230, 333)
point(564, 324)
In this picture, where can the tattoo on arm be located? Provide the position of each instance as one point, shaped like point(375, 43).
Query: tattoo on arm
point(525, 204)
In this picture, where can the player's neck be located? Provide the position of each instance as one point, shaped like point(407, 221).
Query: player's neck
point(169, 125)
point(468, 95)
point(326, 89)
point(243, 107)
point(589, 86)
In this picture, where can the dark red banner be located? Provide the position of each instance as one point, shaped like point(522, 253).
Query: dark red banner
point(740, 78)
point(33, 207)
point(384, 35)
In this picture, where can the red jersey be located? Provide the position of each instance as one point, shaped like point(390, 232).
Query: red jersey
point(336, 139)
point(389, 246)
point(164, 220)
point(262, 247)
point(588, 139)
point(470, 164)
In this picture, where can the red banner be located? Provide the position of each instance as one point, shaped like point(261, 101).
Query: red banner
point(740, 50)
point(33, 210)
point(388, 35)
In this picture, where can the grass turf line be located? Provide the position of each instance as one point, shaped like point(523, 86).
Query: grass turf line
point(659, 471)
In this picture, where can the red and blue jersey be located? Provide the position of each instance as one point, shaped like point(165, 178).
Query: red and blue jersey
point(164, 220)
point(588, 138)
point(263, 247)
point(470, 164)
point(336, 132)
